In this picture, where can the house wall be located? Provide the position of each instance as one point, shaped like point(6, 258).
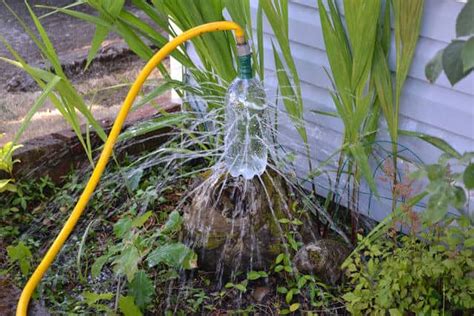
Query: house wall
point(436, 109)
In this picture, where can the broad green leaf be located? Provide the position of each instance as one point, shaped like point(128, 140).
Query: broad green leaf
point(468, 176)
point(98, 265)
point(140, 220)
point(7, 185)
point(127, 306)
point(155, 11)
point(452, 61)
point(435, 141)
point(175, 255)
point(142, 289)
point(126, 263)
point(467, 54)
point(122, 226)
point(6, 157)
point(255, 275)
point(21, 254)
point(289, 296)
point(173, 224)
point(437, 208)
point(469, 243)
point(242, 288)
point(459, 199)
point(435, 172)
point(294, 307)
point(465, 20)
point(91, 297)
point(434, 67)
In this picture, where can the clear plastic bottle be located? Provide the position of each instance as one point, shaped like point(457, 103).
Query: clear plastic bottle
point(246, 134)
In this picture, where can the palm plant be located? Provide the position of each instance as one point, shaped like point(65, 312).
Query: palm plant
point(407, 16)
point(350, 52)
point(54, 83)
point(358, 56)
point(216, 53)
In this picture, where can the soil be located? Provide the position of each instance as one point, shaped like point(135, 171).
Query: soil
point(114, 65)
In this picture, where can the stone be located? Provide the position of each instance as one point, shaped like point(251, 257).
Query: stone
point(233, 224)
point(322, 258)
point(260, 293)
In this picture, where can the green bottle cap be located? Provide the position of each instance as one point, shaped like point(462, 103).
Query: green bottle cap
point(245, 66)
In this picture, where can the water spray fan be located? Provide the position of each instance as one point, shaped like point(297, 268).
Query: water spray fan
point(245, 145)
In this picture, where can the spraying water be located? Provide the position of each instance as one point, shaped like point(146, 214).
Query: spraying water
point(245, 129)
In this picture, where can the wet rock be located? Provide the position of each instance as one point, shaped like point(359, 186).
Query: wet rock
point(322, 258)
point(233, 224)
point(260, 293)
point(9, 296)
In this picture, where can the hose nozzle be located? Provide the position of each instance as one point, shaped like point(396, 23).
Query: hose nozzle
point(245, 60)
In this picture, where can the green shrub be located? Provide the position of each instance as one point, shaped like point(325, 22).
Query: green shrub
point(428, 275)
point(430, 270)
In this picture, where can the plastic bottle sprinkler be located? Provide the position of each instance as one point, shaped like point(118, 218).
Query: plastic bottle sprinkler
point(22, 308)
point(245, 129)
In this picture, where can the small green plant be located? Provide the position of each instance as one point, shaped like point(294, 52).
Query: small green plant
point(426, 271)
point(426, 275)
point(299, 291)
point(251, 276)
point(96, 303)
point(456, 59)
point(136, 246)
point(300, 286)
point(197, 299)
point(20, 254)
point(447, 188)
point(6, 165)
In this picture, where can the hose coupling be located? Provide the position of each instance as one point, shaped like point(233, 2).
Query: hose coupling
point(245, 60)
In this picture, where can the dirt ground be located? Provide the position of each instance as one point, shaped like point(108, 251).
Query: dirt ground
point(71, 38)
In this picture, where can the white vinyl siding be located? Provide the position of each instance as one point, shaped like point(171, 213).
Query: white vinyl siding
point(436, 109)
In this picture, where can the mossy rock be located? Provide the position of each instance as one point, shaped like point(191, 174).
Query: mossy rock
point(233, 224)
point(323, 258)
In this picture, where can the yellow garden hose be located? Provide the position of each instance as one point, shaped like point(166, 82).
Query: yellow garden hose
point(36, 277)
